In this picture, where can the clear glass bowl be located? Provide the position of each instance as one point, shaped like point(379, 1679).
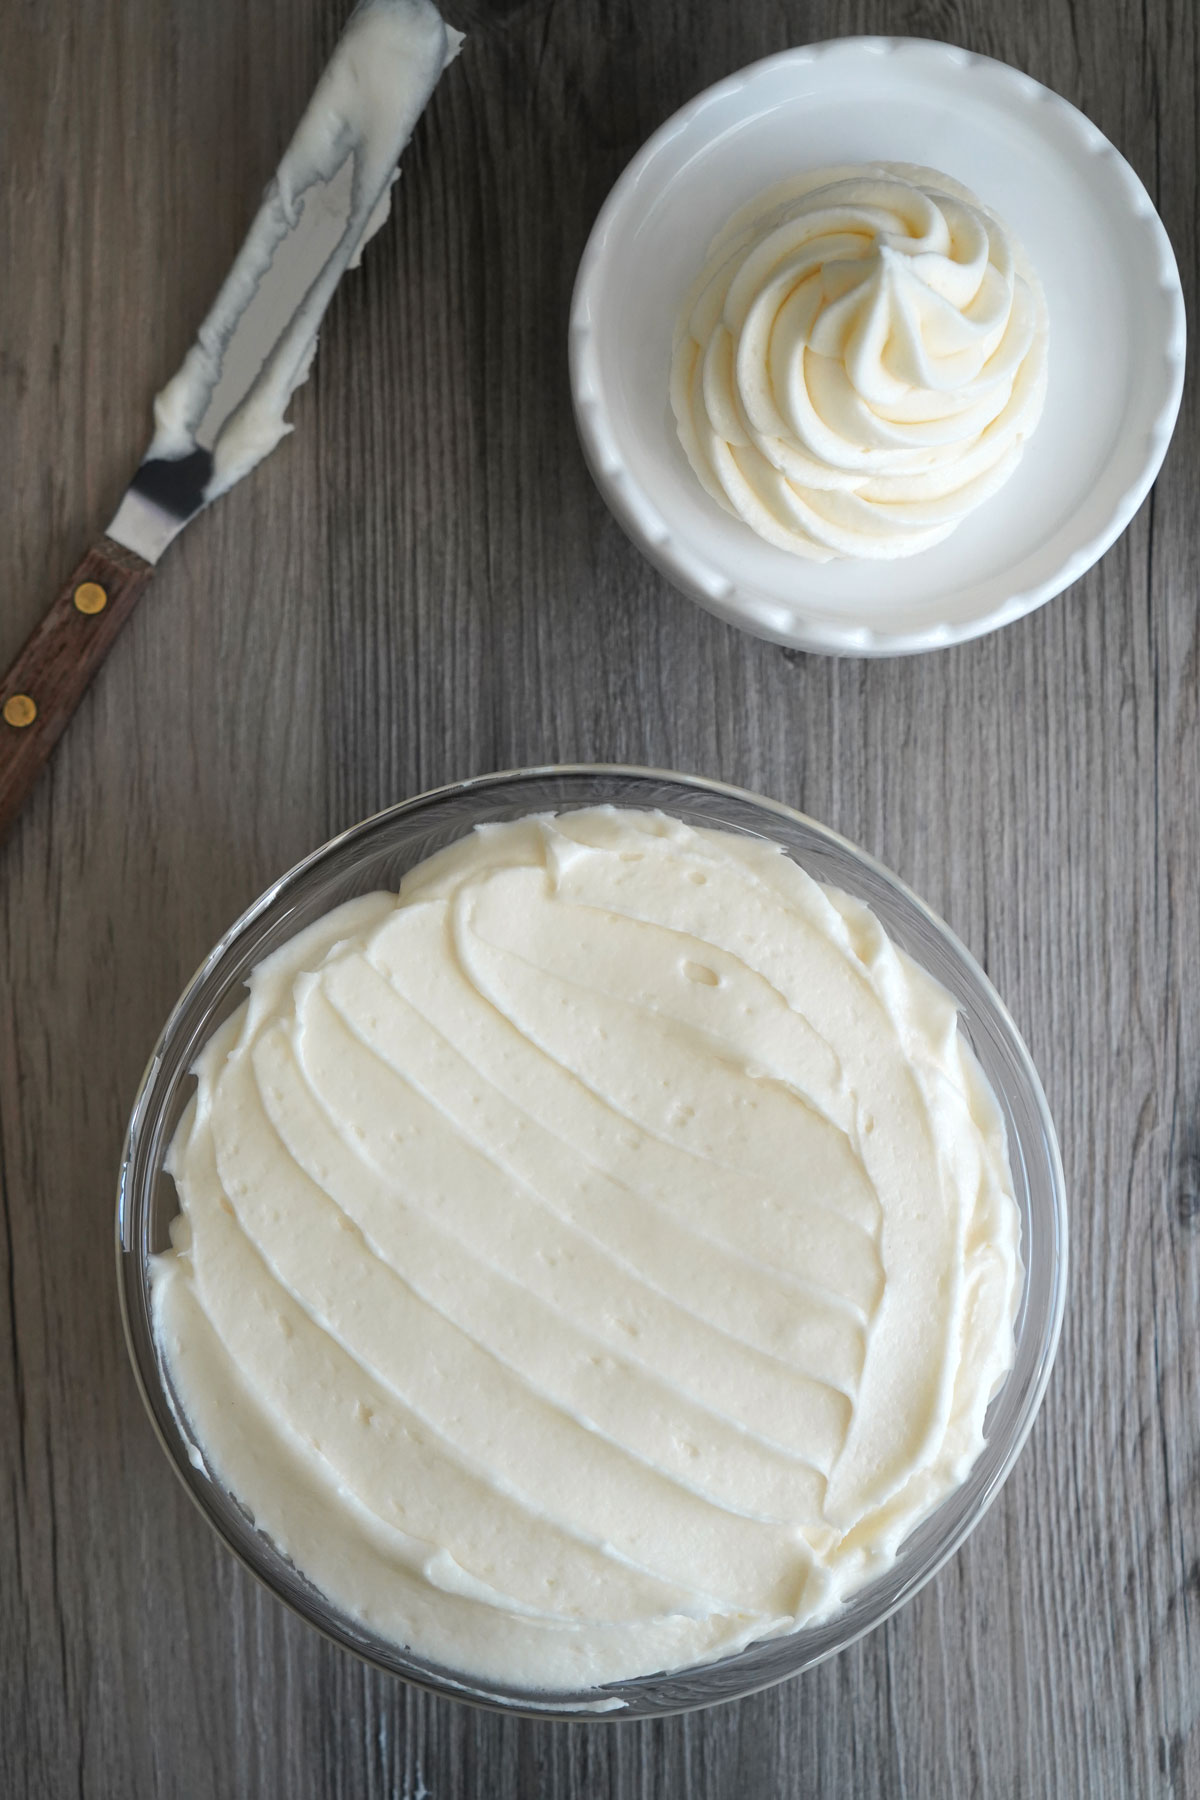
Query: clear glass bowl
point(375, 855)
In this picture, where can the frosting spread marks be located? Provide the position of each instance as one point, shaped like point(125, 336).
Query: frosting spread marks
point(594, 1258)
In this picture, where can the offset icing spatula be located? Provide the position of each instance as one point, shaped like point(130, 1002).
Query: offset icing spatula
point(224, 410)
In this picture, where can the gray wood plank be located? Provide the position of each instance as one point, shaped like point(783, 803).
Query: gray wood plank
point(423, 584)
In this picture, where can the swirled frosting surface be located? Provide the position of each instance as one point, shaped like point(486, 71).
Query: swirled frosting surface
point(860, 361)
point(594, 1258)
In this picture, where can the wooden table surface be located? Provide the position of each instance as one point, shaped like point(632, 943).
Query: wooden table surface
point(423, 584)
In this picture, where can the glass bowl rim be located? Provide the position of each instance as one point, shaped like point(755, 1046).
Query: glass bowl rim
point(444, 1681)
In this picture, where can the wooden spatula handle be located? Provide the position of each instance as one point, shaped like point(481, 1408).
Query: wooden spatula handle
point(50, 676)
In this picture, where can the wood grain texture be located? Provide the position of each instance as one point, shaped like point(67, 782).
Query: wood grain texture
point(55, 666)
point(423, 584)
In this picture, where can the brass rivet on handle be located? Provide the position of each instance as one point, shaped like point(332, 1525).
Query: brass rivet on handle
point(90, 597)
point(19, 710)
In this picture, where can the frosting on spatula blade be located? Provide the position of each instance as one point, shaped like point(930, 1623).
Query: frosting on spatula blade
point(223, 411)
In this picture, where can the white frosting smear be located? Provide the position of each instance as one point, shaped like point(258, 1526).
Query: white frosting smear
point(860, 361)
point(329, 196)
point(595, 1258)
point(339, 167)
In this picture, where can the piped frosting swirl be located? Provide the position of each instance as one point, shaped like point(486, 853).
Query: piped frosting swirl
point(860, 361)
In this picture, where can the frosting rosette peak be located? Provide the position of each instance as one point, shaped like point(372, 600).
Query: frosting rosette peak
point(860, 361)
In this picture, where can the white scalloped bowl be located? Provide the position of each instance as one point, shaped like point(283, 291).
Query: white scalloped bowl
point(1116, 336)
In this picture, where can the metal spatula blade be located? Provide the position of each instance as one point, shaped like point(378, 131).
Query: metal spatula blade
point(224, 410)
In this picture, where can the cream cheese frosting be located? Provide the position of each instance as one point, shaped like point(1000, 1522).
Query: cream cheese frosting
point(329, 196)
point(594, 1258)
point(860, 361)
